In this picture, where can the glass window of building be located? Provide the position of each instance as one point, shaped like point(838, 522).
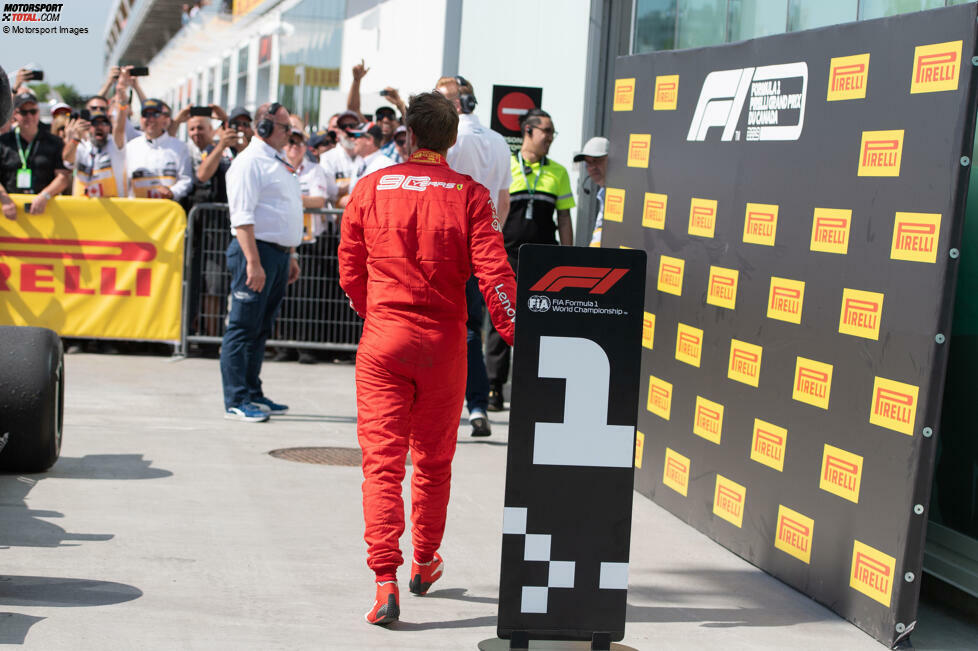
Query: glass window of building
point(264, 79)
point(655, 26)
point(225, 97)
point(242, 94)
point(805, 14)
point(755, 18)
point(880, 8)
point(310, 55)
point(701, 22)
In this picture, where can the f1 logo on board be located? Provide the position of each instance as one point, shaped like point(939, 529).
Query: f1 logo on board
point(689, 344)
point(760, 223)
point(666, 93)
point(794, 535)
point(847, 77)
point(648, 329)
point(660, 397)
point(777, 103)
point(894, 405)
point(722, 290)
point(35, 277)
point(654, 210)
point(702, 217)
point(915, 236)
point(830, 230)
point(583, 437)
point(671, 275)
point(841, 473)
point(813, 382)
point(768, 444)
point(861, 312)
point(597, 279)
point(936, 67)
point(708, 419)
point(624, 94)
point(785, 299)
point(639, 148)
point(728, 500)
point(872, 572)
point(614, 204)
point(880, 153)
point(675, 472)
point(745, 362)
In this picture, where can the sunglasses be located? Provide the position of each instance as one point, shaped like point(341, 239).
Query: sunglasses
point(296, 143)
point(28, 111)
point(400, 140)
point(152, 115)
point(241, 124)
point(347, 126)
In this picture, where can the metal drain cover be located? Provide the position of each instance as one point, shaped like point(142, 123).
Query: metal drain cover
point(323, 456)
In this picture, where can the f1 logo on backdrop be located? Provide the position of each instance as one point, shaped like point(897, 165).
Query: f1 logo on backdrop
point(773, 102)
point(584, 437)
point(597, 279)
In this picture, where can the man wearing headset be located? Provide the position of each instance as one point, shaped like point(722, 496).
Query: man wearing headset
point(265, 202)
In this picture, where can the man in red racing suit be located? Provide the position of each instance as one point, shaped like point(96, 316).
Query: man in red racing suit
point(411, 236)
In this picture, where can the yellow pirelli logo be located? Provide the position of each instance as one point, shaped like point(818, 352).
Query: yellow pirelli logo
point(689, 344)
point(648, 329)
point(861, 313)
point(936, 67)
point(880, 153)
point(666, 93)
point(745, 362)
point(729, 499)
point(722, 290)
point(915, 236)
point(702, 217)
point(670, 278)
point(624, 94)
point(872, 573)
point(675, 473)
point(654, 210)
point(708, 419)
point(768, 444)
point(813, 382)
point(847, 77)
point(760, 223)
point(660, 397)
point(785, 299)
point(614, 204)
point(894, 405)
point(639, 148)
point(830, 230)
point(794, 534)
point(639, 448)
point(841, 473)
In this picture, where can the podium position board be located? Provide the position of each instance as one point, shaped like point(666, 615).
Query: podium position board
point(801, 200)
point(569, 475)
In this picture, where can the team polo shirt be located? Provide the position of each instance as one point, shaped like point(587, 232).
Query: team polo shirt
point(551, 190)
point(43, 155)
point(100, 171)
point(151, 164)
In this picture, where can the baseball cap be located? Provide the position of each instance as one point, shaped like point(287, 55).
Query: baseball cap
point(298, 132)
point(385, 110)
point(595, 147)
point(24, 98)
point(152, 105)
point(400, 129)
point(237, 112)
point(367, 129)
point(99, 114)
point(318, 138)
point(348, 114)
point(58, 107)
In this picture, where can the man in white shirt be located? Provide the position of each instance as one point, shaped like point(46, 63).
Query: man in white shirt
point(484, 155)
point(265, 203)
point(158, 163)
point(367, 139)
point(595, 158)
point(340, 163)
point(313, 183)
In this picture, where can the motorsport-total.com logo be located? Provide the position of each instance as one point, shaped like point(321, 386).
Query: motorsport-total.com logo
point(31, 12)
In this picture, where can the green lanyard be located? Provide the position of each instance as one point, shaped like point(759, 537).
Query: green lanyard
point(536, 180)
point(25, 157)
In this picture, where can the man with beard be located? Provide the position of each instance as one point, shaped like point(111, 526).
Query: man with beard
point(99, 160)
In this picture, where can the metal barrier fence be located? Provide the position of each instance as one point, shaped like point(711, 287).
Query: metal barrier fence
point(315, 313)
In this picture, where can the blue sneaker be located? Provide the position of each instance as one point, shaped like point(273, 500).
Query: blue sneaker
point(269, 407)
point(247, 413)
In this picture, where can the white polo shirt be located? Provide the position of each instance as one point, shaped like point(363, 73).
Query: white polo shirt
point(369, 165)
point(264, 192)
point(314, 183)
point(339, 167)
point(99, 171)
point(482, 154)
point(164, 161)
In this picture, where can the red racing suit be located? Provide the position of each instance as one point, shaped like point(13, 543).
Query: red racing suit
point(411, 236)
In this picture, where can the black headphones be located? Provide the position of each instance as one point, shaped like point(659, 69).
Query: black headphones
point(266, 126)
point(466, 101)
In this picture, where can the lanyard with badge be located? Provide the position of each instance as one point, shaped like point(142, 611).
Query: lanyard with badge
point(536, 181)
point(24, 173)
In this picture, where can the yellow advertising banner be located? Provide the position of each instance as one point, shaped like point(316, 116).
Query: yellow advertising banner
point(101, 268)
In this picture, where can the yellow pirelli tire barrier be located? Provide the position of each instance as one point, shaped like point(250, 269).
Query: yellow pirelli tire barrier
point(98, 268)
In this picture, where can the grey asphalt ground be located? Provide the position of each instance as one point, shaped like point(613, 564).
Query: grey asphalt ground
point(164, 526)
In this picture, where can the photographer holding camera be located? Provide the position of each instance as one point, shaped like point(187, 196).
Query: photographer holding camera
point(98, 160)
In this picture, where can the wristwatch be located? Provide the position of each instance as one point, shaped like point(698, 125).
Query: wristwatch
point(295, 255)
point(47, 196)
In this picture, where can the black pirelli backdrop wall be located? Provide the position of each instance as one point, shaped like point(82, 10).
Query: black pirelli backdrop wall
point(800, 198)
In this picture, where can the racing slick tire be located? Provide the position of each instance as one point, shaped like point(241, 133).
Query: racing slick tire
point(31, 398)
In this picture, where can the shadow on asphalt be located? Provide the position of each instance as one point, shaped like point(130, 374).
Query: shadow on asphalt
point(472, 622)
point(459, 595)
point(14, 627)
point(315, 418)
point(105, 466)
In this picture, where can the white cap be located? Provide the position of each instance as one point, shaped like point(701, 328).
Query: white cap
point(57, 106)
point(595, 147)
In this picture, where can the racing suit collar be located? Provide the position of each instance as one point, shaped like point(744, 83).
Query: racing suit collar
point(428, 157)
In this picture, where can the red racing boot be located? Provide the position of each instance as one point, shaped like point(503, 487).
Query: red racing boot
point(386, 609)
point(424, 574)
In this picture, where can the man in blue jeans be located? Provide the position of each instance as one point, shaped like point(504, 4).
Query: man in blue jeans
point(265, 202)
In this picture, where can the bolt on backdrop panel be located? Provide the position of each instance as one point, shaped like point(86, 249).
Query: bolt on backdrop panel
point(801, 200)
